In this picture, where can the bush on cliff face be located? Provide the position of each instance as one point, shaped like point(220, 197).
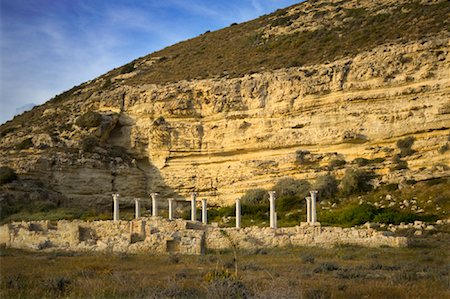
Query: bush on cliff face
point(7, 175)
point(24, 144)
point(254, 196)
point(90, 119)
point(398, 163)
point(291, 187)
point(356, 181)
point(327, 185)
point(89, 143)
point(405, 145)
point(364, 162)
point(302, 157)
point(336, 163)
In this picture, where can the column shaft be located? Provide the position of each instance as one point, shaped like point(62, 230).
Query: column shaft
point(238, 213)
point(313, 207)
point(154, 205)
point(194, 207)
point(171, 203)
point(272, 209)
point(137, 203)
point(204, 212)
point(115, 207)
point(308, 210)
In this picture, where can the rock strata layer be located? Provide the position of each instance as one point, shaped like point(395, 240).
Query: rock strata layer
point(222, 136)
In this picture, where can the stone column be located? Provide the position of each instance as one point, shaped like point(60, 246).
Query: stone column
point(115, 206)
point(275, 220)
point(137, 203)
point(194, 206)
point(154, 204)
point(272, 209)
point(204, 211)
point(238, 213)
point(313, 206)
point(308, 209)
point(171, 206)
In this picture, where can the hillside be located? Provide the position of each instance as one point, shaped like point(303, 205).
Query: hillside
point(309, 90)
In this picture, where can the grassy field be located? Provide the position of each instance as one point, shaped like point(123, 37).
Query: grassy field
point(420, 271)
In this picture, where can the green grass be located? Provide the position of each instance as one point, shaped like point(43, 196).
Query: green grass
point(352, 215)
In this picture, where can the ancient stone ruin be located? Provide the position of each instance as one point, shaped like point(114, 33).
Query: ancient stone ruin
point(158, 235)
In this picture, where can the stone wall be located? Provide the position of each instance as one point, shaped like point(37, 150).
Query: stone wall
point(158, 235)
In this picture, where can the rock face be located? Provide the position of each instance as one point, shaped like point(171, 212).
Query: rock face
point(156, 235)
point(222, 136)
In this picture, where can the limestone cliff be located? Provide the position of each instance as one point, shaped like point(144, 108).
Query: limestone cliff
point(222, 135)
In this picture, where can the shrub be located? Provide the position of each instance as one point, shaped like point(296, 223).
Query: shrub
point(389, 216)
point(405, 145)
point(226, 288)
point(317, 293)
point(398, 163)
point(301, 157)
point(59, 284)
point(361, 161)
point(391, 187)
point(7, 175)
point(90, 119)
point(256, 211)
point(378, 160)
point(356, 181)
point(336, 163)
point(307, 258)
point(327, 186)
point(444, 148)
point(127, 68)
point(357, 215)
point(6, 131)
point(89, 143)
point(220, 212)
point(291, 187)
point(24, 144)
point(360, 214)
point(254, 196)
point(326, 267)
point(288, 203)
point(364, 161)
point(282, 21)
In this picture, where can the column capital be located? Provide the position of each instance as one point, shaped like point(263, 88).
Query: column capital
point(308, 198)
point(313, 192)
point(154, 194)
point(271, 194)
point(115, 195)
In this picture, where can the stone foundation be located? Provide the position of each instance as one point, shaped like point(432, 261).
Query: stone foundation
point(158, 235)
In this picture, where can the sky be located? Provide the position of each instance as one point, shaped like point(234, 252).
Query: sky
point(49, 46)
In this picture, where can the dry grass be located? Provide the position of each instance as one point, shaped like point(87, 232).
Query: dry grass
point(344, 272)
point(242, 49)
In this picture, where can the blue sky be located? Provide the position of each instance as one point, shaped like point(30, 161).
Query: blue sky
point(49, 46)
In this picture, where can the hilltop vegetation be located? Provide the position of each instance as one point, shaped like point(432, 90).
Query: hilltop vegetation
point(251, 46)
